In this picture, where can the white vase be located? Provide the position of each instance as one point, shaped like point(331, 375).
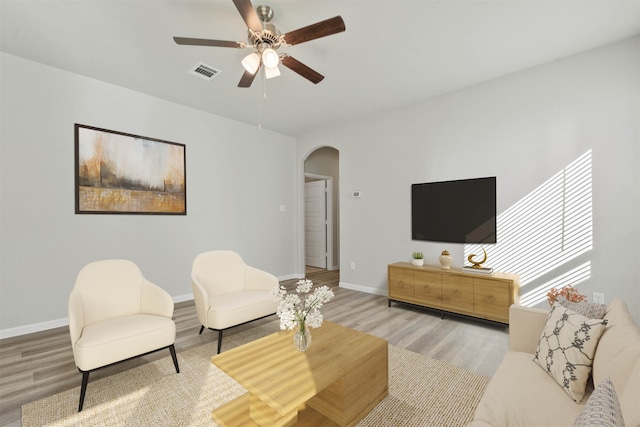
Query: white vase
point(445, 260)
point(417, 262)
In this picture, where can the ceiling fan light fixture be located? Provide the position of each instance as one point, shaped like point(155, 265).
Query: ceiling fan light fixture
point(251, 62)
point(270, 72)
point(270, 58)
point(264, 39)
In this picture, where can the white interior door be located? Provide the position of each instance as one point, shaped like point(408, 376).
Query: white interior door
point(315, 223)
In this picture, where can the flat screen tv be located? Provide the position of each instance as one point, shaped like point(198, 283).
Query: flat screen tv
point(462, 211)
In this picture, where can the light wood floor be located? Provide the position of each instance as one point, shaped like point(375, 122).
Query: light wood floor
point(41, 364)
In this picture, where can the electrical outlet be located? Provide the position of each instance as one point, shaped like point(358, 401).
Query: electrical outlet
point(598, 298)
point(353, 265)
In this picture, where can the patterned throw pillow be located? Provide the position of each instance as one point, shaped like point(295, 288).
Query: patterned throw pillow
point(566, 348)
point(587, 309)
point(602, 408)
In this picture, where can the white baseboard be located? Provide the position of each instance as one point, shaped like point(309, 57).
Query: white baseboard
point(361, 288)
point(182, 298)
point(52, 324)
point(290, 276)
point(36, 327)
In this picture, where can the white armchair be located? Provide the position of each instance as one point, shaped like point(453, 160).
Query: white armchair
point(228, 293)
point(116, 314)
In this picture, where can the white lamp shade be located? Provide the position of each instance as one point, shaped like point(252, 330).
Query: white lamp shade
point(251, 62)
point(270, 58)
point(270, 72)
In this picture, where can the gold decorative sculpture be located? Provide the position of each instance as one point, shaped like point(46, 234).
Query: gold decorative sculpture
point(477, 264)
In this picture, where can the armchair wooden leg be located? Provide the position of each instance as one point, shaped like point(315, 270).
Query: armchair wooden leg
point(201, 329)
point(219, 340)
point(172, 349)
point(83, 388)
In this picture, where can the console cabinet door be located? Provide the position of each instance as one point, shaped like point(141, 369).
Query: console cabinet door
point(428, 288)
point(457, 293)
point(401, 284)
point(491, 299)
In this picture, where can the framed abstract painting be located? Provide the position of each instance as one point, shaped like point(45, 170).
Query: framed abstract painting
point(121, 173)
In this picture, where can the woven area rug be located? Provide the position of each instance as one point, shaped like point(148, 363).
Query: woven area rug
point(422, 392)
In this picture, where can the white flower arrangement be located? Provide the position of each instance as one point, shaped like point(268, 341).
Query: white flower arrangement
point(303, 307)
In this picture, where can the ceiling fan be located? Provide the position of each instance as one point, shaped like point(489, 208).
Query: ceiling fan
point(265, 39)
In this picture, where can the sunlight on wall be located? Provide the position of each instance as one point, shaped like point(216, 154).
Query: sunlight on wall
point(539, 236)
point(573, 277)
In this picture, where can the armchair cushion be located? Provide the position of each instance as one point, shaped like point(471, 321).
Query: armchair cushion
point(109, 289)
point(220, 272)
point(121, 338)
point(236, 308)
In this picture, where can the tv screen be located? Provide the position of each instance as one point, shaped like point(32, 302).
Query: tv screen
point(462, 211)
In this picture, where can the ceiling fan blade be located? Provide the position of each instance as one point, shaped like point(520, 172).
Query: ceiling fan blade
point(206, 42)
point(249, 14)
point(247, 78)
point(315, 31)
point(298, 67)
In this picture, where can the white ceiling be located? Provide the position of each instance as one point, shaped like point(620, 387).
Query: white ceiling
point(393, 52)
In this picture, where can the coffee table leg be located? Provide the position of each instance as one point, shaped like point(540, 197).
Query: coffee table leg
point(349, 399)
point(263, 415)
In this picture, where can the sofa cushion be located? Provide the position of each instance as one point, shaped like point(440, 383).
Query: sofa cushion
point(619, 347)
point(630, 398)
point(586, 308)
point(566, 348)
point(602, 408)
point(520, 394)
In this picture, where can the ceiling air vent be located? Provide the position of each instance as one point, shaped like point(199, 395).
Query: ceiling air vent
point(204, 71)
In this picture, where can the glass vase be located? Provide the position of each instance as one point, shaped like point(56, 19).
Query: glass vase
point(302, 336)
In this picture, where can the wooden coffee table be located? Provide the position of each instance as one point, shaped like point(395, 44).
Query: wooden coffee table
point(337, 381)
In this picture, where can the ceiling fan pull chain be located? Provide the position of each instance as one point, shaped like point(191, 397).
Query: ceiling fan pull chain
point(263, 77)
point(261, 94)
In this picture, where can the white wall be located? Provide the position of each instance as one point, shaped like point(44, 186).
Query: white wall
point(522, 128)
point(237, 177)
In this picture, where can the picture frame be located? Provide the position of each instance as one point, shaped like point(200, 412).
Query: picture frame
point(122, 173)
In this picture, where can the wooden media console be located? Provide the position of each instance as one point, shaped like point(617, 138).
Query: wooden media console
point(456, 291)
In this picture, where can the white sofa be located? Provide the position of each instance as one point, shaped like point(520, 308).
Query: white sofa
point(521, 393)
